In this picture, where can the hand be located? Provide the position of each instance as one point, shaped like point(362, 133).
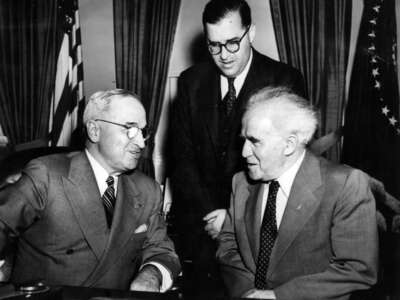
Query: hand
point(148, 280)
point(214, 220)
point(259, 294)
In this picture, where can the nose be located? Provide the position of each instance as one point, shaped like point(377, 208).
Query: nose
point(139, 140)
point(246, 151)
point(224, 53)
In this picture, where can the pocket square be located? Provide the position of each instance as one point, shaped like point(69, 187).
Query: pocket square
point(141, 228)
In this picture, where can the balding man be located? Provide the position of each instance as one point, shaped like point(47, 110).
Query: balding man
point(89, 218)
point(299, 226)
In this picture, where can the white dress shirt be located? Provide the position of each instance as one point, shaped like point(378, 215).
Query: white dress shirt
point(239, 80)
point(101, 176)
point(285, 185)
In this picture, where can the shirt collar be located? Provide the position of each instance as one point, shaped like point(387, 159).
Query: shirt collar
point(287, 178)
point(239, 80)
point(100, 173)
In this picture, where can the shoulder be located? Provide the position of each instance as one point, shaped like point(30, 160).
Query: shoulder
point(54, 163)
point(341, 173)
point(270, 62)
point(143, 182)
point(198, 71)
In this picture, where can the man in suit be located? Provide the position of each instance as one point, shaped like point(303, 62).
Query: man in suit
point(206, 124)
point(299, 226)
point(88, 218)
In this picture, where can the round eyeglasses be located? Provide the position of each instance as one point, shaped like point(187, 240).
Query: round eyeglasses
point(232, 46)
point(132, 129)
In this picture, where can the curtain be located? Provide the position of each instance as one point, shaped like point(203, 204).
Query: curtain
point(144, 33)
point(27, 67)
point(314, 36)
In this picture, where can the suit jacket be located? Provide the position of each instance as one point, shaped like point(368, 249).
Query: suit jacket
point(56, 214)
point(200, 182)
point(327, 240)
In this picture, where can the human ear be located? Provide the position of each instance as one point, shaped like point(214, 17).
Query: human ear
point(252, 32)
point(292, 142)
point(93, 131)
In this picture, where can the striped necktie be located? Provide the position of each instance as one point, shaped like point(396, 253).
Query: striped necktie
point(108, 199)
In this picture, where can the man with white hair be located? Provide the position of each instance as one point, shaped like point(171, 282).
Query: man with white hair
point(299, 226)
point(88, 218)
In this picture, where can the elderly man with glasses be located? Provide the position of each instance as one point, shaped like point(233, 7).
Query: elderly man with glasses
point(89, 218)
point(206, 145)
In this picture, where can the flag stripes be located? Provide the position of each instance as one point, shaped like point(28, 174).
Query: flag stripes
point(68, 100)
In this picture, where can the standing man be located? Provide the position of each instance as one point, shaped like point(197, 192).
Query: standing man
point(206, 125)
point(299, 226)
point(89, 218)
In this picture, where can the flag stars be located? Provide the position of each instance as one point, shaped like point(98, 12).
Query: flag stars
point(375, 72)
point(371, 48)
point(393, 121)
point(377, 85)
point(372, 34)
point(376, 8)
point(385, 110)
point(373, 59)
point(373, 21)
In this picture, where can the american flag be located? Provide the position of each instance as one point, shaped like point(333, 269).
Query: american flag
point(68, 99)
point(372, 132)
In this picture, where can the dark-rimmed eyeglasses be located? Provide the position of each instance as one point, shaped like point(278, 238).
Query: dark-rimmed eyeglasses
point(132, 129)
point(232, 46)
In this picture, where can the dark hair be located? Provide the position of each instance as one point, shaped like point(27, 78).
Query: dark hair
point(215, 10)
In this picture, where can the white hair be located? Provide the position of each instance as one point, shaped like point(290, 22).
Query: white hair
point(288, 111)
point(99, 103)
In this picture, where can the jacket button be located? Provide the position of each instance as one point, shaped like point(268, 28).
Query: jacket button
point(69, 251)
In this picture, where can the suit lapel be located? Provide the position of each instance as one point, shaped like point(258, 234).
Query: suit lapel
point(253, 218)
point(250, 85)
point(84, 196)
point(208, 107)
point(303, 200)
point(127, 217)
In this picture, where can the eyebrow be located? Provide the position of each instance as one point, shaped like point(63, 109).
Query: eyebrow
point(234, 39)
point(131, 124)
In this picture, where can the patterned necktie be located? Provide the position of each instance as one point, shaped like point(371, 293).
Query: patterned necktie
point(230, 97)
point(108, 199)
point(268, 234)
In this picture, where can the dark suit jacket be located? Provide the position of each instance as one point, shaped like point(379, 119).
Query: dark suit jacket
point(327, 241)
point(200, 182)
point(56, 214)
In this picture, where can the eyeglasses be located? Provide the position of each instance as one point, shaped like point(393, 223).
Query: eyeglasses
point(232, 46)
point(132, 129)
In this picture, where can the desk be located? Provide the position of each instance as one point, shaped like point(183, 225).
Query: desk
point(82, 293)
point(9, 292)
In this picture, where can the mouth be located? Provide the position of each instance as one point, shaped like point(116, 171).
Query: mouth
point(227, 64)
point(135, 153)
point(250, 164)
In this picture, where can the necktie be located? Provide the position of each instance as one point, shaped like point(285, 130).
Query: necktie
point(268, 235)
point(108, 199)
point(230, 97)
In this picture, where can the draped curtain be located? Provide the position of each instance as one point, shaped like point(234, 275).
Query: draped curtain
point(144, 33)
point(314, 36)
point(27, 67)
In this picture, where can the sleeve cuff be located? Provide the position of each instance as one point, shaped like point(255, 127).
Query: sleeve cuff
point(166, 276)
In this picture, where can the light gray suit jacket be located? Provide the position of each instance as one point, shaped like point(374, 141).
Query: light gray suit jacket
point(327, 244)
point(56, 214)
